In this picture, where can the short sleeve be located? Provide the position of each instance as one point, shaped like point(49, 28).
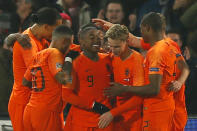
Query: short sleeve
point(55, 62)
point(156, 62)
point(138, 72)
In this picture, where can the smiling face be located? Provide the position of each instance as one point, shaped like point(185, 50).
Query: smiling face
point(91, 41)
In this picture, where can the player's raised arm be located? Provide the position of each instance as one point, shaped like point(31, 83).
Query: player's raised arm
point(133, 40)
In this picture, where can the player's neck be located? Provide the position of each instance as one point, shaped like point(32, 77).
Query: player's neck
point(155, 38)
point(91, 55)
point(126, 54)
point(36, 32)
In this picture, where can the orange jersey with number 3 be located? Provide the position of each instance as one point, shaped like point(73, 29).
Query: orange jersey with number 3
point(180, 118)
point(160, 59)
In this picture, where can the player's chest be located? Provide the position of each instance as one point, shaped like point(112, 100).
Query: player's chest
point(123, 74)
point(94, 72)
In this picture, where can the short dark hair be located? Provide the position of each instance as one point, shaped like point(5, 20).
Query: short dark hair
point(46, 15)
point(85, 28)
point(61, 31)
point(154, 20)
point(115, 2)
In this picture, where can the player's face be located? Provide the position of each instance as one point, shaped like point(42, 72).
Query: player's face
point(65, 44)
point(92, 41)
point(117, 46)
point(144, 33)
point(48, 29)
point(175, 37)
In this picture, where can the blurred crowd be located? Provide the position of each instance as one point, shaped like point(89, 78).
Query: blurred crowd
point(181, 19)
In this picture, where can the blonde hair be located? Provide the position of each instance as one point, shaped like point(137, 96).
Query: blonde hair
point(118, 32)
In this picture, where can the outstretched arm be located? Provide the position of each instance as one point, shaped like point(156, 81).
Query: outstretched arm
point(133, 40)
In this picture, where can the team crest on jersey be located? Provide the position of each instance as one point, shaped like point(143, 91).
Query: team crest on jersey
point(127, 72)
point(58, 65)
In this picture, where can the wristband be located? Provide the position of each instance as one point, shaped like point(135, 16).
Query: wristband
point(68, 59)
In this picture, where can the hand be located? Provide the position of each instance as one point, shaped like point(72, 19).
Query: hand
point(104, 24)
point(132, 21)
point(175, 86)
point(99, 108)
point(186, 53)
point(24, 41)
point(115, 89)
point(105, 120)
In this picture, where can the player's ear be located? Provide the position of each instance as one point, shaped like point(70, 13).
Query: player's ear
point(148, 28)
point(82, 43)
point(45, 26)
point(127, 41)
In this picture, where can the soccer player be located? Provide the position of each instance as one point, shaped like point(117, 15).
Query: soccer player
point(180, 115)
point(160, 67)
point(45, 76)
point(91, 74)
point(45, 21)
point(128, 70)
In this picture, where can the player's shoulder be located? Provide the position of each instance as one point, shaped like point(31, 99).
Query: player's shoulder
point(137, 54)
point(104, 56)
point(80, 60)
point(160, 47)
point(52, 51)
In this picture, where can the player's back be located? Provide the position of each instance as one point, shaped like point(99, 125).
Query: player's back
point(93, 77)
point(21, 60)
point(46, 91)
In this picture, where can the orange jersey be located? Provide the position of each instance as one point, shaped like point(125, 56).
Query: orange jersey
point(46, 91)
point(180, 114)
point(21, 60)
point(90, 78)
point(161, 59)
point(146, 46)
point(129, 72)
point(75, 47)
